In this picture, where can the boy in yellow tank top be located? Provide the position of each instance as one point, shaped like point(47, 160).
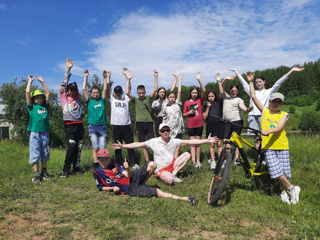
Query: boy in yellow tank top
point(275, 142)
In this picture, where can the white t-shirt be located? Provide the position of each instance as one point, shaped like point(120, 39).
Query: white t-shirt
point(163, 154)
point(120, 111)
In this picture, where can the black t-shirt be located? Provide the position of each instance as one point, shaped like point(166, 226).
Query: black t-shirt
point(215, 110)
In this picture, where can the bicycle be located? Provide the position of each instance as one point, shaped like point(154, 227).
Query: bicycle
point(257, 171)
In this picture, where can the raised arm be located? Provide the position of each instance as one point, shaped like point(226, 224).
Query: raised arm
point(106, 87)
point(84, 85)
point(174, 81)
point(155, 74)
point(221, 89)
point(203, 89)
point(128, 75)
point(179, 87)
point(66, 77)
point(294, 69)
point(28, 89)
point(243, 82)
point(106, 81)
point(256, 101)
point(46, 90)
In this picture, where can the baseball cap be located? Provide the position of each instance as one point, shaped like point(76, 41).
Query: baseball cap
point(36, 93)
point(162, 125)
point(118, 89)
point(277, 95)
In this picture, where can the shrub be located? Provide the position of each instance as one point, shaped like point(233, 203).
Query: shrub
point(292, 109)
point(310, 120)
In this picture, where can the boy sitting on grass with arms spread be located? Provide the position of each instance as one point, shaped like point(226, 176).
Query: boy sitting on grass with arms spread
point(113, 177)
point(37, 106)
point(275, 142)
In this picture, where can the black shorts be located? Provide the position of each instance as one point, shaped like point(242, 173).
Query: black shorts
point(216, 128)
point(228, 129)
point(137, 187)
point(145, 129)
point(179, 135)
point(157, 124)
point(195, 131)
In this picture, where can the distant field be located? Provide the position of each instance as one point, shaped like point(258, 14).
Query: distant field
point(73, 208)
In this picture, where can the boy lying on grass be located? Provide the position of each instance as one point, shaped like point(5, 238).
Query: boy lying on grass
point(113, 177)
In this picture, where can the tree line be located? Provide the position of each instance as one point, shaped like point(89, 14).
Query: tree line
point(301, 89)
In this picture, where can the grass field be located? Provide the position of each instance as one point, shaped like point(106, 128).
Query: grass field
point(73, 208)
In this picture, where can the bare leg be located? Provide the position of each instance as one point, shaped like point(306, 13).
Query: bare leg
point(36, 167)
point(198, 150)
point(166, 177)
point(284, 182)
point(151, 168)
point(256, 143)
point(219, 144)
point(211, 150)
point(169, 195)
point(181, 161)
point(193, 151)
point(94, 153)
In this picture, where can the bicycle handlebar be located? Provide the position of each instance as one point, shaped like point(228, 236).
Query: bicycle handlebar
point(236, 125)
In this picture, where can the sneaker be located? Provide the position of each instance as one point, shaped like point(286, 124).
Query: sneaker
point(45, 176)
point(176, 179)
point(213, 165)
point(285, 198)
point(64, 174)
point(199, 165)
point(210, 160)
point(136, 166)
point(36, 179)
point(224, 164)
point(237, 162)
point(294, 194)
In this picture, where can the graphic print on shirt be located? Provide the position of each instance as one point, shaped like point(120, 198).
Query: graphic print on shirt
point(194, 107)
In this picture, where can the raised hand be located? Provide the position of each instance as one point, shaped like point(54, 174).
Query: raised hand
point(212, 139)
point(124, 71)
point(86, 73)
point(109, 73)
point(175, 74)
point(229, 78)
point(198, 76)
point(250, 76)
point(125, 164)
point(69, 64)
point(218, 77)
point(208, 105)
point(104, 73)
point(155, 73)
point(297, 69)
point(180, 77)
point(129, 75)
point(30, 77)
point(39, 79)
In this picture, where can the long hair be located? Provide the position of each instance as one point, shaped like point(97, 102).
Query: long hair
point(214, 93)
point(165, 92)
point(194, 88)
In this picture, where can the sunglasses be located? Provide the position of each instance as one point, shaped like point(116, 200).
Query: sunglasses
point(165, 130)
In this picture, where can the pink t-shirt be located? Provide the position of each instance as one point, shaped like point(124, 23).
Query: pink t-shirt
point(196, 120)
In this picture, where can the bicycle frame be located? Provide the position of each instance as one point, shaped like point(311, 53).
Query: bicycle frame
point(237, 141)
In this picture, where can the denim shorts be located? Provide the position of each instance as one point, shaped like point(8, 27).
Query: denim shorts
point(278, 163)
point(98, 135)
point(39, 147)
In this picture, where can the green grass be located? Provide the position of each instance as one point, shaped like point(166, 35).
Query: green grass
point(73, 208)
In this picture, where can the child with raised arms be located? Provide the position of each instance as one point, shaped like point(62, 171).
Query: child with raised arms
point(275, 142)
point(37, 106)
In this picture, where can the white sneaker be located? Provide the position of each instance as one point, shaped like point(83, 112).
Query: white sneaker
point(199, 165)
point(196, 165)
point(285, 198)
point(213, 165)
point(176, 179)
point(136, 166)
point(210, 160)
point(294, 194)
point(224, 164)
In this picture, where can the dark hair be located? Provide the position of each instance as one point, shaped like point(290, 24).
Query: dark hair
point(214, 93)
point(171, 92)
point(141, 87)
point(259, 77)
point(236, 86)
point(94, 87)
point(194, 88)
point(165, 92)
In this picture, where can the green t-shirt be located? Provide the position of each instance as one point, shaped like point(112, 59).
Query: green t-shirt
point(96, 112)
point(39, 118)
point(142, 113)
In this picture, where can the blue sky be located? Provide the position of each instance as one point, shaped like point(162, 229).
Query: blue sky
point(184, 36)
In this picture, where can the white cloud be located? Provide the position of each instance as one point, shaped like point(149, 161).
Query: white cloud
point(207, 37)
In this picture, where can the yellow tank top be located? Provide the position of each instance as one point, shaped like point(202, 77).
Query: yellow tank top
point(276, 141)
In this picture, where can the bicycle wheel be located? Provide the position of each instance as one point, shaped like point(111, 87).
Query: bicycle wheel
point(220, 177)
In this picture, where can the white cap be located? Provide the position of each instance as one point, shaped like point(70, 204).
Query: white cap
point(162, 125)
point(277, 95)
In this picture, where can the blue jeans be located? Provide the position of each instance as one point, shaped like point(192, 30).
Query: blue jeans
point(98, 135)
point(39, 147)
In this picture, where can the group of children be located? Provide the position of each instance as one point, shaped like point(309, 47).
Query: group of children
point(166, 112)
